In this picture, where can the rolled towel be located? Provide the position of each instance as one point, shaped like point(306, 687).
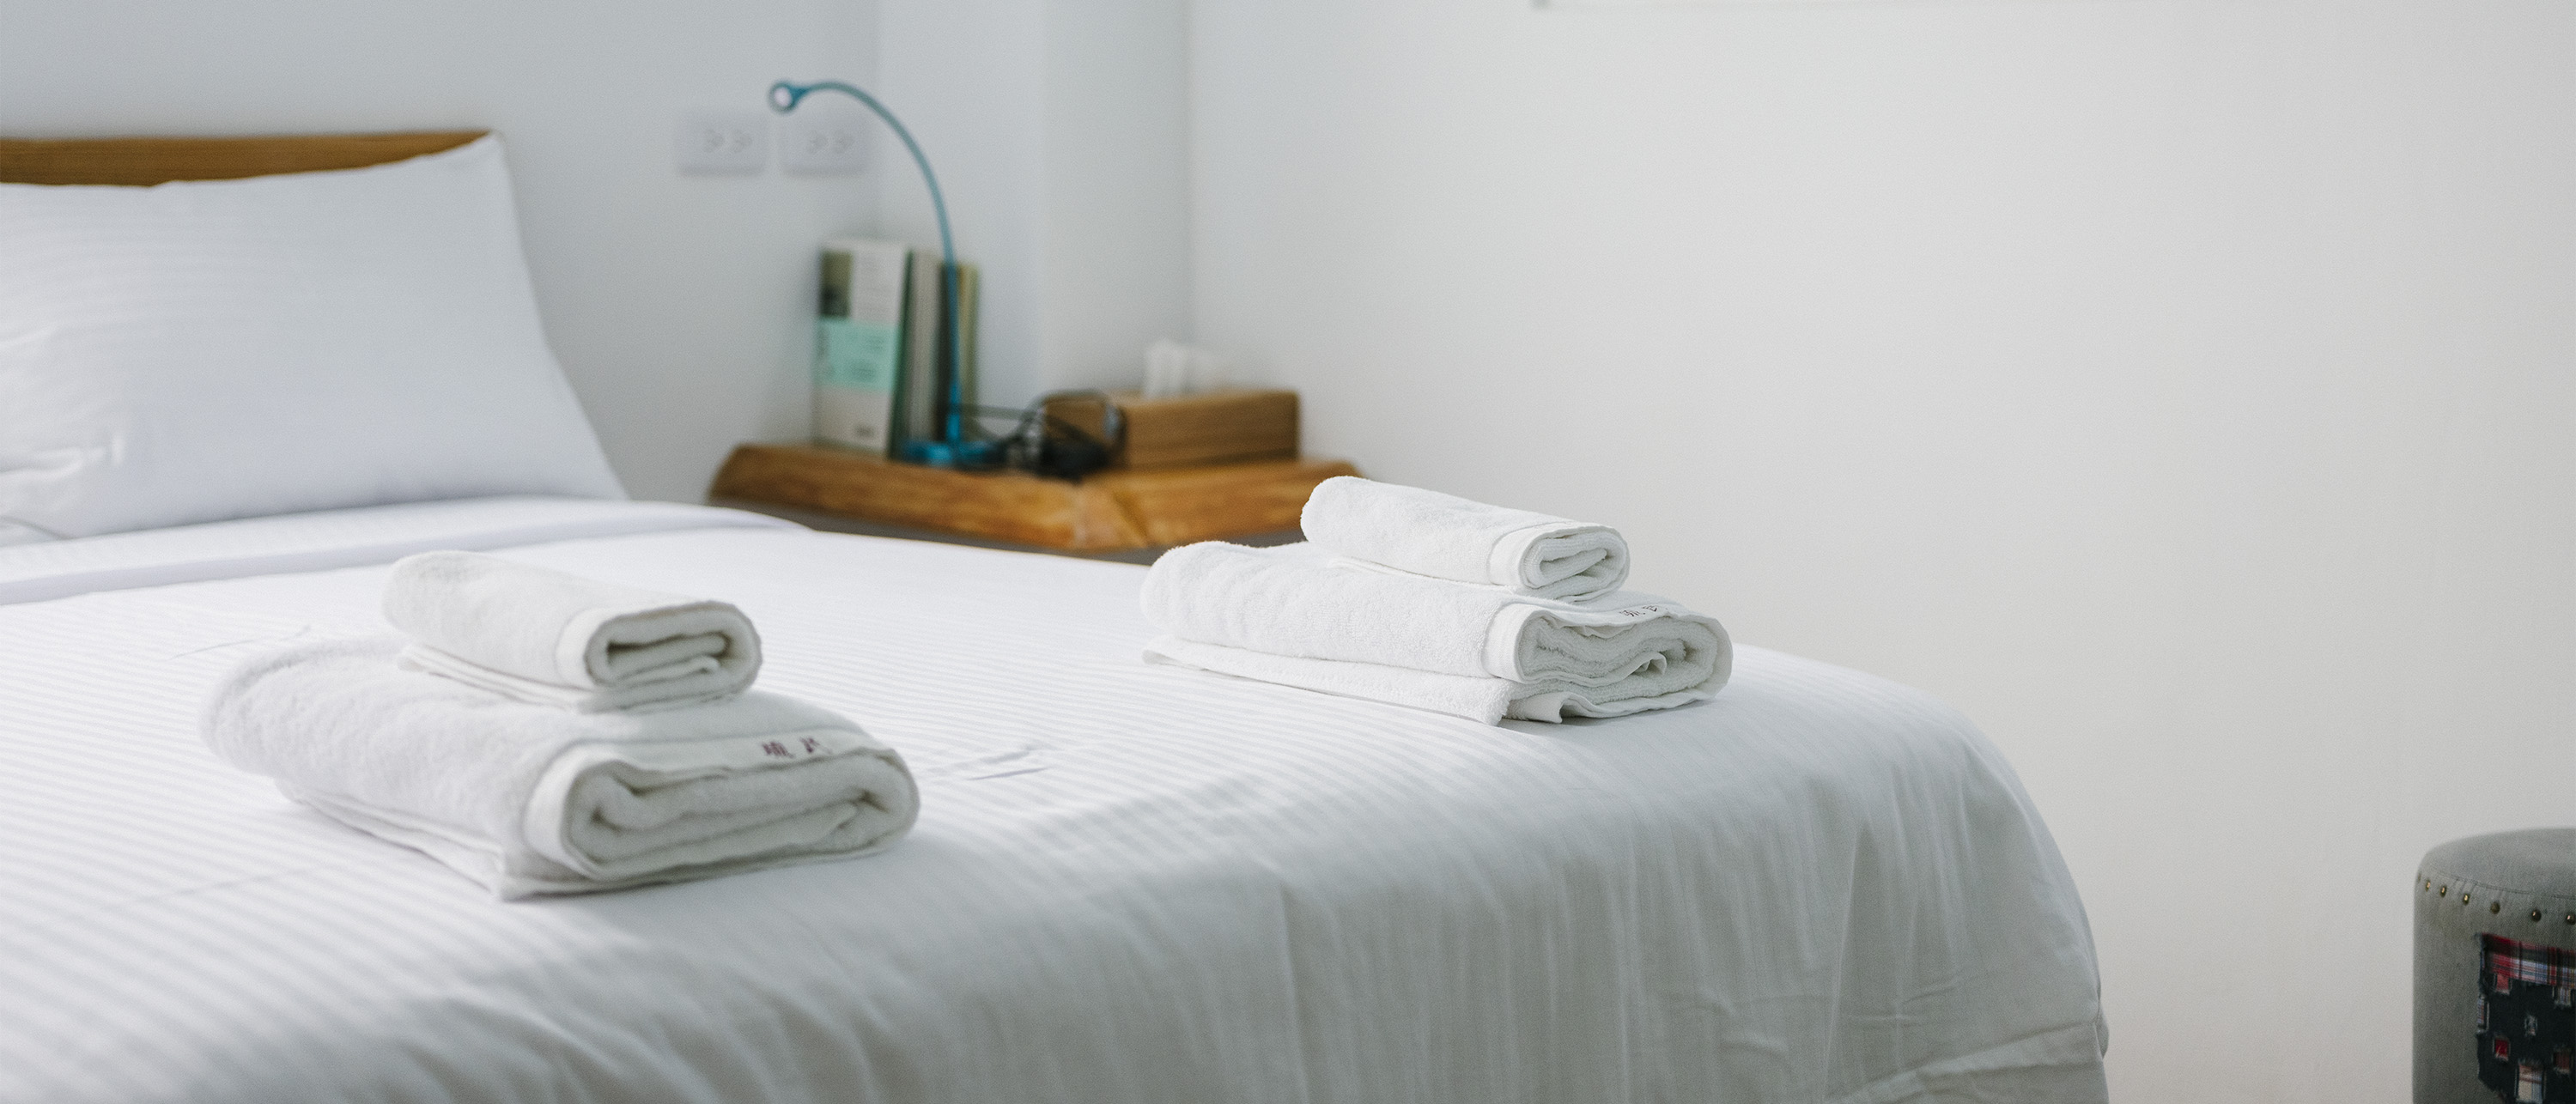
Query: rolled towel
point(1447, 537)
point(529, 800)
point(550, 638)
point(1296, 619)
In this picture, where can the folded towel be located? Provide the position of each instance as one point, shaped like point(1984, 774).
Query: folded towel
point(555, 639)
point(528, 799)
point(1488, 700)
point(1447, 537)
point(1290, 603)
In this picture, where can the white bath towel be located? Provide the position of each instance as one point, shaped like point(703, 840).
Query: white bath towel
point(1447, 537)
point(528, 799)
point(1287, 615)
point(550, 638)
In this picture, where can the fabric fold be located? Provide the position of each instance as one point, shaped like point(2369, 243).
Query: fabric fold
point(1423, 532)
point(1486, 700)
point(1288, 615)
point(550, 638)
point(528, 799)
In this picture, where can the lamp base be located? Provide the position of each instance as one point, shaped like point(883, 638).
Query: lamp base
point(968, 455)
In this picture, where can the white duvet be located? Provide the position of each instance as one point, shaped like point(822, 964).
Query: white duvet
point(1128, 883)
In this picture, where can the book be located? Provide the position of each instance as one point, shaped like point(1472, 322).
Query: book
point(966, 287)
point(917, 394)
point(859, 343)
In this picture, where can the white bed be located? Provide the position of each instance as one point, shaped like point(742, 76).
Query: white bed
point(1129, 882)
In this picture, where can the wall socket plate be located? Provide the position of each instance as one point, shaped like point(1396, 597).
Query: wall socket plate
point(722, 142)
point(824, 142)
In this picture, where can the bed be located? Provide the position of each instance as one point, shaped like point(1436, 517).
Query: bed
point(1128, 883)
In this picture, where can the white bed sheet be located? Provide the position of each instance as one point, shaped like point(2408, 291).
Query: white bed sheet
point(333, 538)
point(1129, 882)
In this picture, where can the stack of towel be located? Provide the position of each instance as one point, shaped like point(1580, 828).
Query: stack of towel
point(545, 733)
point(1410, 596)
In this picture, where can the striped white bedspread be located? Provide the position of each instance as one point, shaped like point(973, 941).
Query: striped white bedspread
point(1129, 882)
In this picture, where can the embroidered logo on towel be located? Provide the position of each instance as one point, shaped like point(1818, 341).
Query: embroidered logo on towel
point(2526, 1035)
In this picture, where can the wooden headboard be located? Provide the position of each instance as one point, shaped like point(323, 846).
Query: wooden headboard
point(144, 161)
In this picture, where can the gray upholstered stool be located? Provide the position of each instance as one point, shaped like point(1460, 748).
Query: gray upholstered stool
point(2495, 970)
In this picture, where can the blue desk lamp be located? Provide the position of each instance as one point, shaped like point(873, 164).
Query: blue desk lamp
point(952, 449)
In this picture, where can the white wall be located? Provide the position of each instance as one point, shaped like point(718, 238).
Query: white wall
point(680, 306)
point(2185, 390)
point(1059, 130)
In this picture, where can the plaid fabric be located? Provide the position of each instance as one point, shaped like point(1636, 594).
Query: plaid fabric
point(2530, 963)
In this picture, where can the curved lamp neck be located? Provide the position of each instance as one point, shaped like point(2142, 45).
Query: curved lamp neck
point(785, 95)
point(783, 98)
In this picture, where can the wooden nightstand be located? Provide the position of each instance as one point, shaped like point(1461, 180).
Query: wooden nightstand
point(1127, 515)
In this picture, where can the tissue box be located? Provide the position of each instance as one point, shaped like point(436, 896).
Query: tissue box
point(1218, 427)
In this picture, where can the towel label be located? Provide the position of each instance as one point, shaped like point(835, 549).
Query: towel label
point(792, 749)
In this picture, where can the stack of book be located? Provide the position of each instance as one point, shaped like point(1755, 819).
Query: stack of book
point(884, 372)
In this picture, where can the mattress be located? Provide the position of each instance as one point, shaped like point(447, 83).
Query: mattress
point(1129, 882)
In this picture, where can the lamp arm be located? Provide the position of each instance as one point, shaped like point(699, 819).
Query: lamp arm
point(783, 97)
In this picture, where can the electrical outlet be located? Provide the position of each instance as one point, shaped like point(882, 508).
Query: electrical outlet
point(824, 142)
point(734, 142)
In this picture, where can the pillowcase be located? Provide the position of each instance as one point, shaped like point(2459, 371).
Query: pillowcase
point(207, 350)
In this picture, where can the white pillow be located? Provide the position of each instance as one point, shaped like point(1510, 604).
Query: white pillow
point(207, 350)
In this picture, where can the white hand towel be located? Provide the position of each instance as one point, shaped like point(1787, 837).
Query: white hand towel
point(528, 799)
point(555, 639)
point(1290, 603)
point(1447, 537)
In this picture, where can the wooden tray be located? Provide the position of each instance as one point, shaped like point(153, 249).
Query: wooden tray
point(1111, 510)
